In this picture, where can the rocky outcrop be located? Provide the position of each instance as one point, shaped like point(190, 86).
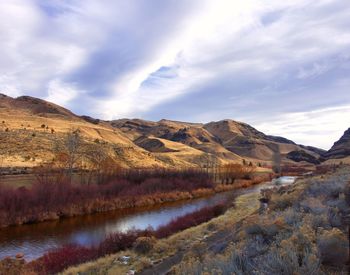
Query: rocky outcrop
point(341, 148)
point(301, 155)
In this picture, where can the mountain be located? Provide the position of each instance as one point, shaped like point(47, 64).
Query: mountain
point(227, 140)
point(29, 127)
point(341, 148)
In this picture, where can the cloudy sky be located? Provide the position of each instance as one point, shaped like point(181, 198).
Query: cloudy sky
point(281, 66)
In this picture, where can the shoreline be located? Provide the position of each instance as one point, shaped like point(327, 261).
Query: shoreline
point(99, 205)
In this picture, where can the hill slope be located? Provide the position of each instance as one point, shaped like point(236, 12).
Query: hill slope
point(341, 148)
point(29, 127)
point(227, 140)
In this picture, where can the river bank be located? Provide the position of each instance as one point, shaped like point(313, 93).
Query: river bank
point(19, 263)
point(33, 240)
point(18, 206)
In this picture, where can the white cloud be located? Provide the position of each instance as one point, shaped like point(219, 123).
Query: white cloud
point(227, 37)
point(109, 54)
point(321, 127)
point(61, 93)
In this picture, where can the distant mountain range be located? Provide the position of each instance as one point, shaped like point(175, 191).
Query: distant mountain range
point(29, 126)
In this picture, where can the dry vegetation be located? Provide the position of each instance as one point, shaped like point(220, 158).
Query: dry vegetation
point(301, 232)
point(103, 185)
point(166, 248)
point(141, 241)
point(54, 196)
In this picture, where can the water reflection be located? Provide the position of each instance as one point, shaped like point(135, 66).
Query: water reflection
point(35, 239)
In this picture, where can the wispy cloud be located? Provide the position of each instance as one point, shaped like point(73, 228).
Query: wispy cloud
point(190, 60)
point(322, 126)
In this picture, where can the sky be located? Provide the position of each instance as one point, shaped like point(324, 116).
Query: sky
point(281, 66)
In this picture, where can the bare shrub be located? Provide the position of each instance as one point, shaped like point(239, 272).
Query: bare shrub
point(281, 202)
point(294, 255)
point(313, 205)
point(63, 198)
point(330, 188)
point(317, 221)
point(235, 263)
point(291, 216)
point(334, 217)
point(288, 261)
point(191, 219)
point(347, 193)
point(255, 246)
point(58, 259)
point(265, 227)
point(144, 245)
point(333, 247)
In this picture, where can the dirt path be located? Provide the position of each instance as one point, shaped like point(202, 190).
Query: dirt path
point(216, 243)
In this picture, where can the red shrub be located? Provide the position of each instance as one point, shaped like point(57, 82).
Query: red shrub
point(121, 241)
point(61, 258)
point(192, 219)
point(27, 205)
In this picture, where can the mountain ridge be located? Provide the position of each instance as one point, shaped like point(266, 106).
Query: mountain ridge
point(138, 142)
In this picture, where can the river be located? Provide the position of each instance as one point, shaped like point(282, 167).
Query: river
point(35, 239)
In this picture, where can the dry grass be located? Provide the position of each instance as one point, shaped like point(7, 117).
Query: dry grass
point(296, 235)
point(244, 207)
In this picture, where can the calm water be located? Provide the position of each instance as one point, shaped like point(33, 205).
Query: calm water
point(35, 239)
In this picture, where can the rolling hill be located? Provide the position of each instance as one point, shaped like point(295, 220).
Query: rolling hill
point(29, 127)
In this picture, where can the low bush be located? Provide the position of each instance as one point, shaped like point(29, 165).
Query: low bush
point(288, 260)
point(313, 206)
point(333, 247)
point(267, 230)
point(329, 188)
point(192, 219)
point(143, 245)
point(120, 241)
point(291, 216)
point(334, 217)
point(281, 202)
point(235, 263)
point(61, 258)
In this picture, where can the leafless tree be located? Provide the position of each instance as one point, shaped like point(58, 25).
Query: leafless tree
point(276, 161)
point(2, 152)
point(232, 171)
point(101, 166)
point(69, 151)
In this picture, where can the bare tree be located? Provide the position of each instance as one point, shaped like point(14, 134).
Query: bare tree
point(100, 163)
point(232, 171)
point(69, 151)
point(2, 153)
point(276, 161)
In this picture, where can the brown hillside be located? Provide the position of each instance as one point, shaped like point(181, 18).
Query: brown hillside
point(246, 141)
point(29, 127)
point(341, 149)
